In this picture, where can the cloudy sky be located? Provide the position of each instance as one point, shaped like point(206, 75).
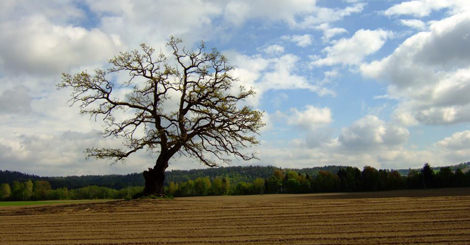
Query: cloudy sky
point(383, 83)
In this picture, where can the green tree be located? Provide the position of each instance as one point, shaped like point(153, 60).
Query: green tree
point(28, 190)
point(326, 182)
point(17, 192)
point(207, 122)
point(291, 182)
point(172, 188)
point(217, 187)
point(226, 185)
point(414, 179)
point(444, 178)
point(370, 179)
point(202, 186)
point(41, 189)
point(395, 180)
point(350, 179)
point(428, 176)
point(5, 191)
point(258, 185)
point(186, 188)
point(459, 178)
point(59, 194)
point(274, 185)
point(243, 188)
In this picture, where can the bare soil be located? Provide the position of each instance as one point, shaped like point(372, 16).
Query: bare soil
point(394, 217)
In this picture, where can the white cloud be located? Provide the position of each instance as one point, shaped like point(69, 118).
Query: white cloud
point(311, 118)
point(327, 15)
point(458, 141)
point(34, 45)
point(455, 148)
point(300, 40)
point(371, 133)
point(429, 73)
point(62, 154)
point(414, 23)
point(330, 32)
point(419, 8)
point(264, 74)
point(368, 141)
point(240, 11)
point(153, 22)
point(353, 50)
point(296, 13)
point(274, 49)
point(63, 12)
point(422, 8)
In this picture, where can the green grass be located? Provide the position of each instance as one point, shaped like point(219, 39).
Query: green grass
point(30, 203)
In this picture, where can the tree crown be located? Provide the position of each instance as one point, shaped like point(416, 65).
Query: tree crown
point(206, 122)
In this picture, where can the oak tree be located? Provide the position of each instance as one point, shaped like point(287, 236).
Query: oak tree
point(207, 122)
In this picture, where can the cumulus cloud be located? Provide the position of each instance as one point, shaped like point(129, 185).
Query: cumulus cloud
point(238, 12)
point(414, 23)
point(455, 147)
point(36, 46)
point(154, 21)
point(370, 133)
point(330, 32)
point(367, 141)
point(274, 49)
point(51, 154)
point(311, 118)
point(300, 40)
point(353, 50)
point(422, 8)
point(418, 8)
point(429, 73)
point(297, 13)
point(328, 15)
point(265, 74)
point(458, 141)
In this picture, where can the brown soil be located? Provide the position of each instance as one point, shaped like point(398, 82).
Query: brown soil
point(396, 217)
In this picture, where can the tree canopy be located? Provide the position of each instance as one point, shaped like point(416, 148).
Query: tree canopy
point(183, 105)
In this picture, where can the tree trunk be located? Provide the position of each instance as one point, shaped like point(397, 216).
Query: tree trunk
point(154, 178)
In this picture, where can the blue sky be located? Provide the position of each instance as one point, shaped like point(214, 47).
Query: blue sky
point(350, 82)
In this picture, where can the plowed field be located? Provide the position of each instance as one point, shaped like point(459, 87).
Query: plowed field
point(397, 217)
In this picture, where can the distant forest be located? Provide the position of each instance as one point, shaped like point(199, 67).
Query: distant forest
point(233, 181)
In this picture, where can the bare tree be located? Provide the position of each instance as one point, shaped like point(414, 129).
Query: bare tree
point(207, 125)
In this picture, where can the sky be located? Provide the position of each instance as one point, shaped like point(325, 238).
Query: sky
point(382, 83)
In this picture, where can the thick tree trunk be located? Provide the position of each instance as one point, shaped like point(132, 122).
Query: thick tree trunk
point(154, 178)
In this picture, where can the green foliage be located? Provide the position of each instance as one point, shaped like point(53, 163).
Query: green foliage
point(226, 186)
point(217, 187)
point(59, 194)
point(326, 182)
point(17, 192)
point(172, 188)
point(41, 190)
point(243, 188)
point(258, 186)
point(370, 179)
point(202, 186)
point(428, 176)
point(5, 191)
point(346, 179)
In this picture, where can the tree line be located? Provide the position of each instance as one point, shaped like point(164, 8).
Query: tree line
point(42, 190)
point(236, 174)
point(346, 179)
